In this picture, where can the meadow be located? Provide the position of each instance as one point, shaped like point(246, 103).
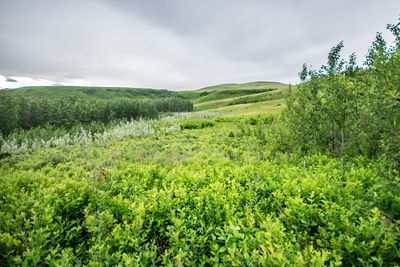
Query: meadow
point(255, 174)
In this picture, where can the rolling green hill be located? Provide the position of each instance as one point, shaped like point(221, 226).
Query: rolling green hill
point(229, 90)
point(245, 99)
point(227, 98)
point(104, 93)
point(244, 86)
point(234, 99)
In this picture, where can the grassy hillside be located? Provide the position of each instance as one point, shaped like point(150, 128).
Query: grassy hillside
point(265, 107)
point(104, 93)
point(238, 99)
point(228, 99)
point(251, 98)
point(230, 90)
point(243, 86)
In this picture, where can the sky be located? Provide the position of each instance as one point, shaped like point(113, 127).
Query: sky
point(179, 44)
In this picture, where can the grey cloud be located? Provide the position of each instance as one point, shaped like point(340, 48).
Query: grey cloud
point(180, 44)
point(11, 80)
point(73, 76)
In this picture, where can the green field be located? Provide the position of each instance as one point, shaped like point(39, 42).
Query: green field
point(265, 107)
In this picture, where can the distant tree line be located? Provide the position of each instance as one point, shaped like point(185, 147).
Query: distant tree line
point(18, 112)
point(345, 109)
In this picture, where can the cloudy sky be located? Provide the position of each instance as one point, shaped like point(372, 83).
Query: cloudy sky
point(179, 44)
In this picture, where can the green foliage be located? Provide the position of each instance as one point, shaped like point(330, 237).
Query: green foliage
point(196, 124)
point(218, 195)
point(26, 113)
point(173, 105)
point(345, 109)
point(50, 136)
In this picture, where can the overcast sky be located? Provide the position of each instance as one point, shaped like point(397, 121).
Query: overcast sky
point(179, 44)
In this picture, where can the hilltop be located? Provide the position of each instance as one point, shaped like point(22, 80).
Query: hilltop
point(102, 93)
point(236, 99)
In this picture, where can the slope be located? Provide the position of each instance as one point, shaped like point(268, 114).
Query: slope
point(238, 99)
point(230, 90)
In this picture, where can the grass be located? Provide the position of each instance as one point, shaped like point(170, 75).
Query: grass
point(240, 99)
point(267, 107)
point(253, 98)
point(230, 90)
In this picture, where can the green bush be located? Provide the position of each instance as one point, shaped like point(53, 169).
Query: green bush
point(196, 124)
point(197, 198)
point(344, 109)
point(23, 113)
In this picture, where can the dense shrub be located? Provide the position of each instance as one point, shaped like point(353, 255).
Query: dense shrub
point(344, 109)
point(195, 198)
point(196, 124)
point(24, 113)
point(173, 105)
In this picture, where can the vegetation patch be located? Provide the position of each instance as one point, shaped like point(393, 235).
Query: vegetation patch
point(199, 197)
point(196, 124)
